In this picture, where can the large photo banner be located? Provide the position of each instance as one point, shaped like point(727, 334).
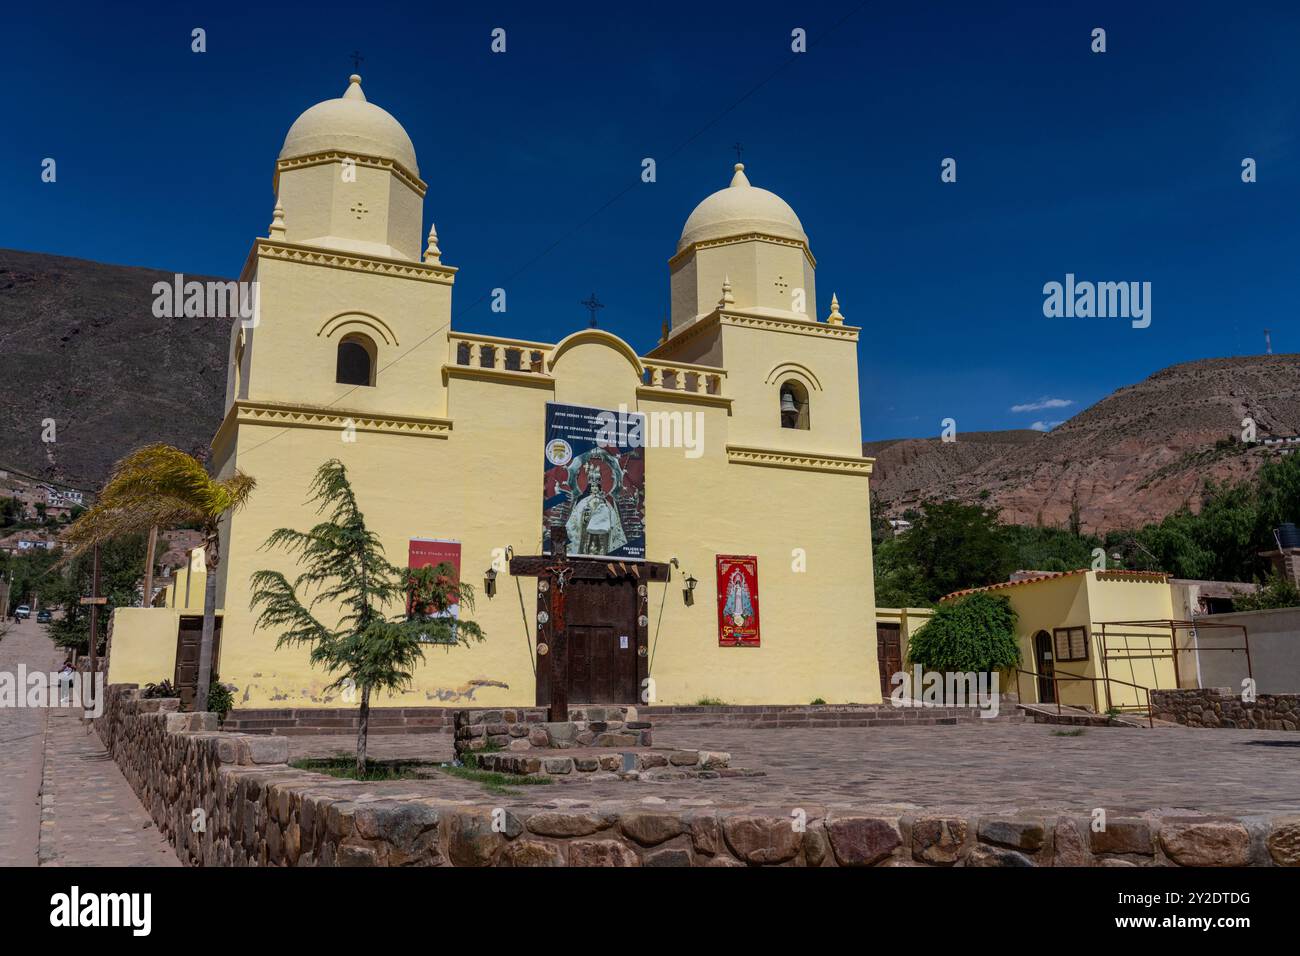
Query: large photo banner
point(737, 600)
point(594, 481)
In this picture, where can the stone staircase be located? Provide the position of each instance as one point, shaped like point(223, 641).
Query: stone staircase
point(292, 722)
point(810, 716)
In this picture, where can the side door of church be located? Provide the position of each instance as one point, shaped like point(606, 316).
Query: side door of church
point(189, 639)
point(889, 656)
point(602, 632)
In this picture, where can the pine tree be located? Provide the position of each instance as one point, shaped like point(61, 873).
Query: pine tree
point(344, 567)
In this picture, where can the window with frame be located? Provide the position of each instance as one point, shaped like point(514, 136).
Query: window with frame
point(1070, 643)
point(356, 361)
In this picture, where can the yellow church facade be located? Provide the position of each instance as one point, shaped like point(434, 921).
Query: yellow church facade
point(726, 552)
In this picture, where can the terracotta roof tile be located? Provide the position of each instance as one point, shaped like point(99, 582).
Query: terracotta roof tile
point(1047, 575)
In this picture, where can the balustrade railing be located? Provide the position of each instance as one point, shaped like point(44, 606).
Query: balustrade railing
point(517, 355)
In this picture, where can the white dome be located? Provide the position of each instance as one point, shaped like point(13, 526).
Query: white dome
point(350, 124)
point(739, 210)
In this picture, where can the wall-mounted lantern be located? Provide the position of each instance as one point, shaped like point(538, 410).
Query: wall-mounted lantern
point(688, 592)
point(490, 582)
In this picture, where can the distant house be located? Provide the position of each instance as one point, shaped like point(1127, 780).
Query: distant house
point(23, 542)
point(1285, 444)
point(1080, 637)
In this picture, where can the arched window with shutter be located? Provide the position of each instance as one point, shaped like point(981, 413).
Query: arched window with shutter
point(356, 361)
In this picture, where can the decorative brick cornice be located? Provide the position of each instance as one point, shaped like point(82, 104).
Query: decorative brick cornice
point(747, 237)
point(800, 461)
point(354, 262)
point(774, 323)
point(678, 397)
point(361, 159)
point(771, 323)
point(294, 415)
point(503, 375)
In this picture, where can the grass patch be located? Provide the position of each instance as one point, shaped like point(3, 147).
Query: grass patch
point(492, 781)
point(710, 702)
point(346, 768)
point(1076, 732)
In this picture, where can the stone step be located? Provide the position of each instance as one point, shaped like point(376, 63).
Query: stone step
point(1078, 717)
point(603, 763)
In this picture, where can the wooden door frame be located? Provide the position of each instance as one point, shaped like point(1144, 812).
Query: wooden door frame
point(640, 573)
point(897, 629)
point(216, 647)
point(1044, 680)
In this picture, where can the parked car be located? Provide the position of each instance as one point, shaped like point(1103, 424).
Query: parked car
point(44, 616)
point(22, 612)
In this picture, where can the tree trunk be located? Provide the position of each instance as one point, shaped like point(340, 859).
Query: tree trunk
point(212, 558)
point(363, 728)
point(146, 596)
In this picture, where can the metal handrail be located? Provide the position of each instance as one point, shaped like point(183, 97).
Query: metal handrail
point(1056, 691)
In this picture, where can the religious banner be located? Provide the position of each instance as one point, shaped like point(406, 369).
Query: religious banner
point(737, 600)
point(594, 481)
point(430, 552)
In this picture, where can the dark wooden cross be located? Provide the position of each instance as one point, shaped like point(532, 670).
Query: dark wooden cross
point(592, 305)
point(557, 572)
point(357, 60)
point(739, 149)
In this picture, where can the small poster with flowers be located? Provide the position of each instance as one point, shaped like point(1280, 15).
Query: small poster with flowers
point(431, 552)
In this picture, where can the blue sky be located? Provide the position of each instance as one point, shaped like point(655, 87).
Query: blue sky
point(1122, 166)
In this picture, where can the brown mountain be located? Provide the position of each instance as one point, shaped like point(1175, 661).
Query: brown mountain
point(1133, 457)
point(79, 344)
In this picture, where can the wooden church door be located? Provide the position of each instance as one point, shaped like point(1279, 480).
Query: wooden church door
point(602, 634)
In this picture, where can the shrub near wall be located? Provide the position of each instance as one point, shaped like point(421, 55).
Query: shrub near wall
point(1219, 707)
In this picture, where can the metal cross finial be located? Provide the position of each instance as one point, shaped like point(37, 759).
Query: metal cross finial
point(357, 60)
point(739, 149)
point(592, 305)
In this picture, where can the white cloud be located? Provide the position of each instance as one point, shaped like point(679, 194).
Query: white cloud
point(1043, 403)
point(1044, 426)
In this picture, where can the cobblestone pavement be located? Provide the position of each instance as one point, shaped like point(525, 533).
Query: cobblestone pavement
point(22, 737)
point(63, 801)
point(1025, 765)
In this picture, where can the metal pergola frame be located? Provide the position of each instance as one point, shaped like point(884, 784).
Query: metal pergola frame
point(1173, 626)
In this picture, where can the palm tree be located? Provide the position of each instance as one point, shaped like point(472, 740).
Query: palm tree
point(159, 485)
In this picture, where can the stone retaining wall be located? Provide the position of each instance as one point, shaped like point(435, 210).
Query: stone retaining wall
point(1219, 707)
point(256, 810)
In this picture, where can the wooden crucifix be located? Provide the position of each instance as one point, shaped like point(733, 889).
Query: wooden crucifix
point(558, 574)
point(559, 578)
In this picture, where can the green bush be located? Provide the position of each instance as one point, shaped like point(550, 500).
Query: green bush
point(976, 633)
point(220, 700)
point(161, 689)
point(1277, 592)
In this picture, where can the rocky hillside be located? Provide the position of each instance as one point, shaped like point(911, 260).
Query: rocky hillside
point(79, 344)
point(1135, 456)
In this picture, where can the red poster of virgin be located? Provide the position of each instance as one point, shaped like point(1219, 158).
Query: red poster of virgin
point(423, 552)
point(737, 600)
